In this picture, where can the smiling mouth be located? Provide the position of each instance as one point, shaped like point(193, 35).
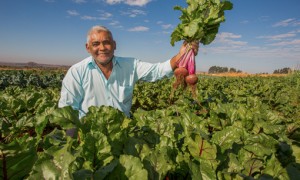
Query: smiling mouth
point(103, 53)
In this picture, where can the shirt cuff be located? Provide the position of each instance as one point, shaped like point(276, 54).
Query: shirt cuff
point(168, 68)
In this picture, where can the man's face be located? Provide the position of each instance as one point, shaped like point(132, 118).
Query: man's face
point(101, 46)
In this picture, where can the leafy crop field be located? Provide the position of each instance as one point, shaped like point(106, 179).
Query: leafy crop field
point(232, 128)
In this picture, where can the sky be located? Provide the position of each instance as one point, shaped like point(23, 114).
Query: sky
point(258, 36)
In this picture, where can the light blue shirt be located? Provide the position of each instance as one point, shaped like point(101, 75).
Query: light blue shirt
point(85, 85)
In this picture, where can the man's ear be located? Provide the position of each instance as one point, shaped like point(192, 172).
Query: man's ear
point(115, 45)
point(87, 47)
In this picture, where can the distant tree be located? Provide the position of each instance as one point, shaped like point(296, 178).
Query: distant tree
point(225, 69)
point(212, 70)
point(285, 70)
point(32, 64)
point(232, 70)
point(218, 69)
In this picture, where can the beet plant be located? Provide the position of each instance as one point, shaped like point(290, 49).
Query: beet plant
point(200, 22)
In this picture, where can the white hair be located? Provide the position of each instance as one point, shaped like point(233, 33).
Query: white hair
point(98, 28)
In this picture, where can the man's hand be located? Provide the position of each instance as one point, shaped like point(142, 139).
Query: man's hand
point(194, 45)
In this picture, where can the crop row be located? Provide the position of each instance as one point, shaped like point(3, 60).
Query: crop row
point(232, 128)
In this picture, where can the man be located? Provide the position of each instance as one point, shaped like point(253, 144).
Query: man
point(105, 79)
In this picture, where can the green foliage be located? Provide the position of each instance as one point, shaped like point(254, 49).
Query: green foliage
point(36, 78)
point(200, 20)
point(232, 128)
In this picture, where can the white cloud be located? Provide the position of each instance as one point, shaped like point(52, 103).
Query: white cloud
point(278, 37)
point(227, 35)
point(229, 39)
point(229, 45)
point(297, 23)
point(287, 22)
point(89, 18)
point(139, 28)
point(72, 12)
point(79, 1)
point(237, 43)
point(133, 12)
point(50, 1)
point(103, 16)
point(286, 43)
point(136, 12)
point(166, 26)
point(116, 24)
point(137, 2)
point(245, 22)
point(129, 2)
point(113, 1)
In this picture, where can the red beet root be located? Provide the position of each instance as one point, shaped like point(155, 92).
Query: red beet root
point(180, 74)
point(191, 79)
point(181, 71)
point(185, 73)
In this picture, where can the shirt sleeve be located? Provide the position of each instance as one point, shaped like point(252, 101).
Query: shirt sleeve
point(71, 91)
point(151, 72)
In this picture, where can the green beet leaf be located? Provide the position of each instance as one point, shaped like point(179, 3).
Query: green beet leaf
point(96, 151)
point(201, 148)
point(16, 162)
point(251, 163)
point(158, 163)
point(65, 117)
point(104, 171)
point(129, 167)
point(200, 20)
point(44, 168)
point(109, 122)
point(225, 138)
point(261, 144)
point(133, 167)
point(274, 169)
point(234, 165)
point(54, 162)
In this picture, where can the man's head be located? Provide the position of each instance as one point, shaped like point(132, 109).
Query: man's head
point(100, 44)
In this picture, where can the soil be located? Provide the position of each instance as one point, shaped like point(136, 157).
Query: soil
point(244, 75)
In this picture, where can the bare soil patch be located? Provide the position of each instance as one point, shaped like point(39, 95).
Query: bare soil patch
point(244, 75)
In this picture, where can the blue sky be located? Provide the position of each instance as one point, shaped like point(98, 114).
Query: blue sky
point(257, 36)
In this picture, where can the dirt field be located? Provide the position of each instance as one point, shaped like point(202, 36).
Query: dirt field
point(243, 74)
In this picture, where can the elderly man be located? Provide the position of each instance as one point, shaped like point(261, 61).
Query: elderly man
point(105, 79)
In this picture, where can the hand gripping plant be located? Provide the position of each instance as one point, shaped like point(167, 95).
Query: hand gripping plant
point(185, 71)
point(200, 22)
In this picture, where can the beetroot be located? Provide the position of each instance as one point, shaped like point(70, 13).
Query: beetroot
point(180, 74)
point(191, 79)
point(185, 71)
